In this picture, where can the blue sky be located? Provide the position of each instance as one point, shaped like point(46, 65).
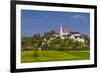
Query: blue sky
point(34, 22)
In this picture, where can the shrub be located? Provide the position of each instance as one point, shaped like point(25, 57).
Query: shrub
point(35, 54)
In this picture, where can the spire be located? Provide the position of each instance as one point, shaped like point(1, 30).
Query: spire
point(62, 25)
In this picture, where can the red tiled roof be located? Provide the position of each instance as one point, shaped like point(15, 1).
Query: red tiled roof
point(65, 30)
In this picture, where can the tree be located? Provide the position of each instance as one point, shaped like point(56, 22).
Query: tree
point(87, 41)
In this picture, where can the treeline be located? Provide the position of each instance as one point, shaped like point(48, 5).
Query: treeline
point(49, 42)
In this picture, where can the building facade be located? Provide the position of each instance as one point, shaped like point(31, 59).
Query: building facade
point(66, 33)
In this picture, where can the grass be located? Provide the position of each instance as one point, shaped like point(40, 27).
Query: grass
point(44, 56)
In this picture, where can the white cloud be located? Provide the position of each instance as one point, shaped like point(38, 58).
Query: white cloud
point(76, 16)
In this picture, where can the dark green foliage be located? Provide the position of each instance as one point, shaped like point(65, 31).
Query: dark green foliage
point(35, 54)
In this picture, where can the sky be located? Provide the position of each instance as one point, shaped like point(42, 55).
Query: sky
point(35, 22)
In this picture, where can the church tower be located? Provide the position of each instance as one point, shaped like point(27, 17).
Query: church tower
point(61, 30)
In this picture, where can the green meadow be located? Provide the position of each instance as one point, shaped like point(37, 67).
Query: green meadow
point(44, 56)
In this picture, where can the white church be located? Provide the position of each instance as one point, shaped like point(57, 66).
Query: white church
point(65, 33)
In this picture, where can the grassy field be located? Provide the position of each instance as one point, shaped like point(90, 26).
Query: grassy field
point(43, 56)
